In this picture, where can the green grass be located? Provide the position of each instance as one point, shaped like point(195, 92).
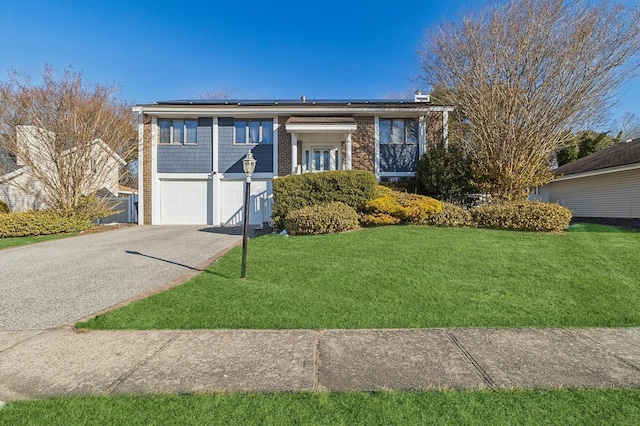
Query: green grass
point(406, 277)
point(592, 227)
point(20, 241)
point(535, 407)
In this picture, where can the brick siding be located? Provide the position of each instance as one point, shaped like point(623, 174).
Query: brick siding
point(146, 170)
point(363, 150)
point(284, 148)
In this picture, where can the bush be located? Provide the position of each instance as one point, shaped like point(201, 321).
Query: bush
point(401, 206)
point(446, 173)
point(4, 207)
point(377, 219)
point(352, 187)
point(41, 222)
point(523, 215)
point(321, 219)
point(451, 215)
point(404, 185)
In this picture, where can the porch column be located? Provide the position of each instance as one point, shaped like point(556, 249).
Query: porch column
point(348, 151)
point(294, 153)
point(445, 128)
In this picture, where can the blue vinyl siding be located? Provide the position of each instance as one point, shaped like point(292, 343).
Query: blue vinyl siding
point(230, 155)
point(177, 158)
point(398, 158)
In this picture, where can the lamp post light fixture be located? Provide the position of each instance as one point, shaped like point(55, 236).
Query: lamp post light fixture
point(248, 165)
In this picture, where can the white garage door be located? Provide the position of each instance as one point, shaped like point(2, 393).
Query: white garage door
point(185, 202)
point(232, 192)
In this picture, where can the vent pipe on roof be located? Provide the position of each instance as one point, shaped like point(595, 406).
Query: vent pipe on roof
point(303, 99)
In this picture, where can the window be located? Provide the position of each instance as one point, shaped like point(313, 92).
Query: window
point(254, 131)
point(178, 131)
point(399, 131)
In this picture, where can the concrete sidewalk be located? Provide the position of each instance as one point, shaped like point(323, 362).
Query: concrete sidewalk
point(45, 363)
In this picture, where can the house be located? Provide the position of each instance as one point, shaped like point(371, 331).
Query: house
point(191, 152)
point(605, 184)
point(23, 190)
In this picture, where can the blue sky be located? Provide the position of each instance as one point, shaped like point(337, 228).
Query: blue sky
point(161, 50)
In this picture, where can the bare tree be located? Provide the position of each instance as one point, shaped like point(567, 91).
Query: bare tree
point(524, 74)
point(221, 93)
point(71, 135)
point(630, 126)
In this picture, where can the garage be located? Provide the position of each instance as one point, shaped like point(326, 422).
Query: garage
point(232, 201)
point(185, 202)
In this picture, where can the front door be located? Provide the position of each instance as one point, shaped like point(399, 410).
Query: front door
point(323, 159)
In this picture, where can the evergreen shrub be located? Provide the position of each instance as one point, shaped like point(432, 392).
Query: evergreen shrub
point(524, 216)
point(451, 215)
point(351, 187)
point(40, 222)
point(321, 219)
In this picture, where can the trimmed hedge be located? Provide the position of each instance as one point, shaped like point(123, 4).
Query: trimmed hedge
point(352, 187)
point(321, 219)
point(40, 222)
point(451, 215)
point(4, 207)
point(393, 207)
point(524, 216)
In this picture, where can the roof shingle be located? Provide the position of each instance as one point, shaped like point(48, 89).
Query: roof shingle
point(617, 155)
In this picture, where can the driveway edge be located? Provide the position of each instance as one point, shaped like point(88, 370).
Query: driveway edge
point(171, 284)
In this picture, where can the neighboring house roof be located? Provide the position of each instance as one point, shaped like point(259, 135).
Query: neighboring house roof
point(7, 162)
point(106, 148)
point(127, 190)
point(622, 154)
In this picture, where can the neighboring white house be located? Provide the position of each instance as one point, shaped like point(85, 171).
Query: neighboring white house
point(605, 184)
point(20, 189)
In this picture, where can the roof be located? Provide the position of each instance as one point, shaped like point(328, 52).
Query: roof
point(303, 106)
point(7, 160)
point(289, 102)
point(127, 189)
point(621, 154)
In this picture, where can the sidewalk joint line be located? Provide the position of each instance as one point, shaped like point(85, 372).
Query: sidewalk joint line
point(22, 341)
point(317, 362)
point(485, 376)
point(606, 350)
point(136, 367)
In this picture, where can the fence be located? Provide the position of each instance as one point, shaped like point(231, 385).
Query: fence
point(127, 211)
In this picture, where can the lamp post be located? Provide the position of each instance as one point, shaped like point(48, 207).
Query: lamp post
point(248, 165)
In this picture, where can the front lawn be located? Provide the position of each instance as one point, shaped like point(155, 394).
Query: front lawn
point(526, 407)
point(406, 277)
point(20, 241)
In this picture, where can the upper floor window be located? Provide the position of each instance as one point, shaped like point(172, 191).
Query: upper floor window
point(178, 131)
point(254, 131)
point(399, 131)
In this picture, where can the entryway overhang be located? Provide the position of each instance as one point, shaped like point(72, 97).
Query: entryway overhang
point(321, 125)
point(298, 126)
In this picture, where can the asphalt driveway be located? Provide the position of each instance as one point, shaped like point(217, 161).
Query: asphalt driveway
point(55, 283)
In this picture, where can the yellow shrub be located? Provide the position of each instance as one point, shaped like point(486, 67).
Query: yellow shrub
point(524, 216)
point(379, 219)
point(41, 222)
point(401, 206)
